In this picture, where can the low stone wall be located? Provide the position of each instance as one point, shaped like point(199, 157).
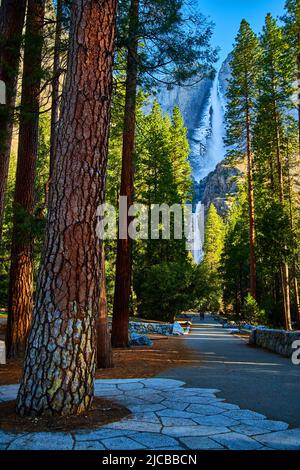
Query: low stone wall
point(279, 341)
point(142, 328)
point(2, 353)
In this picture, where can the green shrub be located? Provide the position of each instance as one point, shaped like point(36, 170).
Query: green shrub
point(164, 290)
point(251, 312)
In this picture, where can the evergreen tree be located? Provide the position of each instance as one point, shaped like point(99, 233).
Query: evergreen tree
point(21, 271)
point(161, 44)
point(12, 16)
point(214, 238)
point(59, 369)
point(213, 249)
point(292, 35)
point(273, 104)
point(162, 177)
point(234, 267)
point(242, 94)
point(179, 155)
point(124, 248)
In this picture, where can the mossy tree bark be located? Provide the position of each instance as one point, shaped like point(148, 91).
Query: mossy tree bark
point(12, 15)
point(60, 361)
point(21, 271)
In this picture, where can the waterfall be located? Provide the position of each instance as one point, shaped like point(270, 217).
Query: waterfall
point(215, 150)
point(198, 138)
point(196, 237)
point(212, 130)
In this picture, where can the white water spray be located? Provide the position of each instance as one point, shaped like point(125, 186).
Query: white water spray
point(196, 237)
point(215, 150)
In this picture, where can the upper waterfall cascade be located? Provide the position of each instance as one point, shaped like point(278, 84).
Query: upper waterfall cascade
point(206, 141)
point(202, 106)
point(207, 150)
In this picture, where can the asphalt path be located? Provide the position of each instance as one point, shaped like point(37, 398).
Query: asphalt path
point(250, 377)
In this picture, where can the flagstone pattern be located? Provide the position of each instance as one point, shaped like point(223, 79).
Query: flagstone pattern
point(165, 416)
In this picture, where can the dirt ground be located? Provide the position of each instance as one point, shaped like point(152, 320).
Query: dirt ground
point(135, 362)
point(101, 412)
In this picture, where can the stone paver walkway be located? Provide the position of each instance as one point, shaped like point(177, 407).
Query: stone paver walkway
point(165, 416)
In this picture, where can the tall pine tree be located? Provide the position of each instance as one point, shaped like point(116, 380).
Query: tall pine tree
point(162, 45)
point(12, 15)
point(242, 93)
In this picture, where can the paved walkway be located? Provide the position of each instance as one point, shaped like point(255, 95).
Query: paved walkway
point(250, 377)
point(182, 411)
point(165, 416)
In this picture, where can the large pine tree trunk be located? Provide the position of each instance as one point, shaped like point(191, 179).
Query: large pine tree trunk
point(21, 272)
point(104, 348)
point(11, 25)
point(251, 208)
point(60, 359)
point(124, 245)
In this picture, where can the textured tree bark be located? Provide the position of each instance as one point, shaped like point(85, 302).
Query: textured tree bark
point(60, 361)
point(251, 208)
point(11, 26)
point(104, 348)
point(21, 271)
point(124, 245)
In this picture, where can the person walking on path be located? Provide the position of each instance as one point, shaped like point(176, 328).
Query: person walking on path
point(201, 315)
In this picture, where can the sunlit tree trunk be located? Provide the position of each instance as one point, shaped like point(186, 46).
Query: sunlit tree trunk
point(295, 257)
point(124, 246)
point(21, 271)
point(104, 349)
point(251, 206)
point(12, 14)
point(60, 358)
point(284, 270)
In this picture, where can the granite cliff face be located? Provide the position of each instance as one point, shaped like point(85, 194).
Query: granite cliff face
point(218, 187)
point(194, 104)
point(225, 75)
point(203, 106)
point(191, 100)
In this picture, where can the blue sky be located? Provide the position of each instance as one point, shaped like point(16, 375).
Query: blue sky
point(227, 15)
